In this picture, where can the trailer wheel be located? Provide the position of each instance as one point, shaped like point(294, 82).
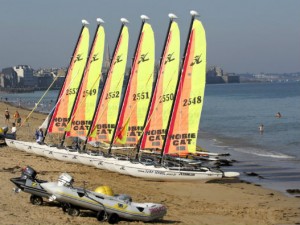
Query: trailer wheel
point(65, 207)
point(113, 218)
point(73, 211)
point(36, 200)
point(101, 216)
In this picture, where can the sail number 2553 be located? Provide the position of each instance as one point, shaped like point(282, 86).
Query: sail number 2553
point(191, 101)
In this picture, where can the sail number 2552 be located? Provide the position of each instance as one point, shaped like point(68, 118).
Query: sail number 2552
point(191, 101)
point(112, 94)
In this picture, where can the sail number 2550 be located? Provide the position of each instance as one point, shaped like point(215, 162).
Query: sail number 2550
point(191, 101)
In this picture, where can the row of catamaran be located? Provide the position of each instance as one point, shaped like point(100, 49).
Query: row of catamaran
point(155, 121)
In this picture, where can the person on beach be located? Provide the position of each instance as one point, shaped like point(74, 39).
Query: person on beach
point(17, 118)
point(39, 135)
point(13, 134)
point(261, 128)
point(278, 115)
point(7, 116)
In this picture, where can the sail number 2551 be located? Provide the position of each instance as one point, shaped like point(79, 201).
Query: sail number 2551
point(141, 95)
point(191, 101)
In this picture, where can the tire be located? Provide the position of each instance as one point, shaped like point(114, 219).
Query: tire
point(113, 218)
point(36, 200)
point(101, 216)
point(65, 207)
point(73, 211)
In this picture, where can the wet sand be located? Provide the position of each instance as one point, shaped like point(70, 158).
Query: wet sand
point(226, 201)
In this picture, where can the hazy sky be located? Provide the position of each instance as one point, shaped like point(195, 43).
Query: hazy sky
point(242, 36)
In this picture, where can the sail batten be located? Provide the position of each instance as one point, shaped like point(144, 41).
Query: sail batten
point(185, 118)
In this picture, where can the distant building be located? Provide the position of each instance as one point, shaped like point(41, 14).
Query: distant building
point(18, 77)
point(25, 76)
point(215, 75)
point(8, 78)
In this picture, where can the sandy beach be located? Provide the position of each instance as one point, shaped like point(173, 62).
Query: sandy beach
point(226, 201)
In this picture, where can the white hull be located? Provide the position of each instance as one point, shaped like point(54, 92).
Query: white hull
point(10, 143)
point(151, 172)
point(125, 167)
point(65, 155)
point(87, 159)
point(113, 204)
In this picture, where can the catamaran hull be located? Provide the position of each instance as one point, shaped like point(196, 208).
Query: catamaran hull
point(95, 201)
point(67, 156)
point(166, 174)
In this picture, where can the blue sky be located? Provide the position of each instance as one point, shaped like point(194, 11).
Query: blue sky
point(242, 36)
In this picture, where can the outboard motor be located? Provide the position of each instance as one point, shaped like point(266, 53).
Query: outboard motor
point(28, 172)
point(29, 183)
point(65, 180)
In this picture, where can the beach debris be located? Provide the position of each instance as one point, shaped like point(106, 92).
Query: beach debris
point(293, 191)
point(253, 174)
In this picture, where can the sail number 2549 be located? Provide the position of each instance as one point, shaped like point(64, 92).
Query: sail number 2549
point(191, 101)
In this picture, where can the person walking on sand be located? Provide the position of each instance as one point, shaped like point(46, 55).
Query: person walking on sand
point(7, 116)
point(17, 118)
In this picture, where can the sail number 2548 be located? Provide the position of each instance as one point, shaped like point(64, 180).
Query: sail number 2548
point(191, 101)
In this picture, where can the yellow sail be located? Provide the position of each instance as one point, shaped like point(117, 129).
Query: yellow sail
point(139, 88)
point(108, 107)
point(70, 87)
point(164, 92)
point(185, 119)
point(85, 104)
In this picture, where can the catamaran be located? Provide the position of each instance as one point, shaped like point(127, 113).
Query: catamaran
point(66, 98)
point(85, 103)
point(179, 134)
point(165, 120)
point(105, 116)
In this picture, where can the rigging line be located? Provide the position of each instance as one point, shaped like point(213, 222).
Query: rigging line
point(133, 108)
point(36, 105)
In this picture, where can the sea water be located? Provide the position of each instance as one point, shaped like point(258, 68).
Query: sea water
point(231, 116)
point(230, 121)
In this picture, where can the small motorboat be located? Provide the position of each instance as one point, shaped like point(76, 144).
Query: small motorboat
point(102, 200)
point(29, 183)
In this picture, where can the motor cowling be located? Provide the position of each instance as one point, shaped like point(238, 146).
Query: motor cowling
point(65, 180)
point(28, 172)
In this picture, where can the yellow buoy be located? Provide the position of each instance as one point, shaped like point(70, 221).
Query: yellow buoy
point(105, 190)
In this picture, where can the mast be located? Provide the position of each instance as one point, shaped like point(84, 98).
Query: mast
point(84, 24)
point(194, 14)
point(172, 17)
point(144, 18)
point(99, 22)
point(124, 21)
